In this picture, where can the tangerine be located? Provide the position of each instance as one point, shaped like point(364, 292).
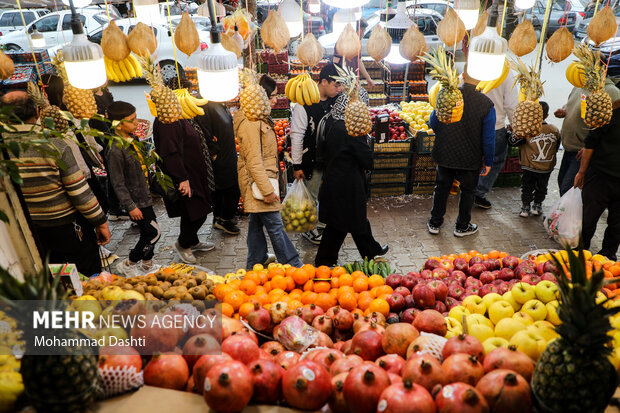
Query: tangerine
point(221, 290)
point(384, 289)
point(360, 284)
point(347, 301)
point(364, 300)
point(335, 282)
point(248, 287)
point(324, 272)
point(325, 301)
point(493, 254)
point(295, 294)
point(290, 283)
point(321, 287)
point(309, 269)
point(289, 271)
point(252, 276)
point(294, 304)
point(335, 292)
point(309, 286)
point(227, 310)
point(301, 276)
point(245, 309)
point(345, 279)
point(336, 272)
point(356, 274)
point(235, 284)
point(308, 297)
point(235, 298)
point(276, 294)
point(275, 271)
point(375, 281)
point(279, 282)
point(379, 305)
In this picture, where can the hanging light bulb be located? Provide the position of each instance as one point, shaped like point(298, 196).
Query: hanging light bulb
point(315, 6)
point(524, 4)
point(340, 20)
point(487, 53)
point(291, 13)
point(398, 25)
point(468, 12)
point(77, 3)
point(346, 4)
point(238, 38)
point(394, 56)
point(38, 40)
point(147, 11)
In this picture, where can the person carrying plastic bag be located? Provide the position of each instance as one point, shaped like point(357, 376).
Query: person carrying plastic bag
point(563, 223)
point(299, 212)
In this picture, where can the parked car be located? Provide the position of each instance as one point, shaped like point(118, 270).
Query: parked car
point(559, 17)
point(11, 20)
point(55, 27)
point(576, 6)
point(607, 48)
point(582, 27)
point(316, 22)
point(440, 6)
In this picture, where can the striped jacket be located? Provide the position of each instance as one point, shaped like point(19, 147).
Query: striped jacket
point(53, 186)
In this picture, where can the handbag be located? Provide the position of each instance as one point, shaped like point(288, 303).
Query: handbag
point(169, 193)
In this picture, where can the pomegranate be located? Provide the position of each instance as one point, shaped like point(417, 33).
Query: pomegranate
point(156, 337)
point(397, 338)
point(119, 356)
point(241, 348)
point(203, 365)
point(337, 402)
point(419, 344)
point(207, 325)
point(346, 347)
point(169, 371)
point(460, 398)
point(229, 326)
point(367, 345)
point(273, 347)
point(342, 319)
point(511, 359)
point(394, 378)
point(324, 324)
point(363, 386)
point(372, 326)
point(506, 391)
point(228, 387)
point(392, 363)
point(359, 322)
point(259, 318)
point(378, 318)
point(464, 368)
point(262, 354)
point(342, 335)
point(431, 321)
point(316, 310)
point(393, 318)
point(267, 381)
point(327, 357)
point(406, 397)
point(463, 344)
point(246, 333)
point(343, 365)
point(305, 313)
point(323, 340)
point(200, 345)
point(190, 386)
point(287, 359)
point(306, 385)
point(355, 358)
point(425, 370)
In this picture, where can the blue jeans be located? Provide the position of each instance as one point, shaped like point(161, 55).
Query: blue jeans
point(485, 183)
point(568, 170)
point(257, 243)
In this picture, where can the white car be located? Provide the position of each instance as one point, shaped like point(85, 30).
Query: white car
point(11, 20)
point(55, 27)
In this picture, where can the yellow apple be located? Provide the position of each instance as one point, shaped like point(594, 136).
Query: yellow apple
point(475, 304)
point(457, 312)
point(545, 332)
point(87, 306)
point(499, 310)
point(454, 327)
point(508, 327)
point(523, 292)
point(614, 358)
point(528, 342)
point(546, 291)
point(493, 343)
point(85, 297)
point(508, 297)
point(491, 298)
point(523, 317)
point(478, 319)
point(600, 297)
point(552, 312)
point(481, 331)
point(536, 309)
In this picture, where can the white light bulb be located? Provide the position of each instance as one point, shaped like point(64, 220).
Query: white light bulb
point(524, 4)
point(291, 13)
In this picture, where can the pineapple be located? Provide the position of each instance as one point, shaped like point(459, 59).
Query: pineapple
point(53, 383)
point(598, 102)
point(253, 99)
point(80, 102)
point(167, 104)
point(528, 116)
point(449, 104)
point(59, 121)
point(574, 374)
point(356, 114)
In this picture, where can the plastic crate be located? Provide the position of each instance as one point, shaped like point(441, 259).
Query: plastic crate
point(379, 87)
point(422, 188)
point(512, 164)
point(381, 190)
point(392, 160)
point(418, 87)
point(377, 101)
point(282, 103)
point(281, 113)
point(281, 86)
point(27, 57)
point(281, 69)
point(424, 142)
point(276, 59)
point(418, 98)
point(508, 180)
point(393, 147)
point(390, 176)
point(262, 68)
point(423, 170)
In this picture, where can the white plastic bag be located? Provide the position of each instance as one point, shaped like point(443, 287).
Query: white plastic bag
point(299, 212)
point(563, 222)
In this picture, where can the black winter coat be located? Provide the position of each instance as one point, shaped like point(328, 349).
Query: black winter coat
point(342, 197)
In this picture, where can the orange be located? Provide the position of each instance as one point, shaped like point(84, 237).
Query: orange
point(373, 292)
point(235, 298)
point(264, 277)
point(235, 284)
point(375, 281)
point(473, 253)
point(345, 279)
point(276, 294)
point(502, 254)
point(384, 289)
point(364, 300)
point(615, 270)
point(290, 283)
point(227, 310)
point(325, 301)
point(493, 254)
point(289, 271)
point(345, 289)
point(310, 270)
point(169, 271)
point(248, 287)
point(245, 309)
point(347, 301)
point(384, 296)
point(322, 287)
point(295, 294)
point(308, 297)
point(275, 271)
point(335, 282)
point(251, 275)
point(380, 306)
point(279, 282)
point(336, 272)
point(356, 274)
point(267, 286)
point(294, 304)
point(221, 290)
point(324, 272)
point(236, 316)
point(335, 292)
point(309, 286)
point(360, 284)
point(259, 289)
point(263, 298)
point(285, 299)
point(301, 276)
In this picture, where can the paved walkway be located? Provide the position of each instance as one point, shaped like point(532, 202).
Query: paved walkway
point(398, 221)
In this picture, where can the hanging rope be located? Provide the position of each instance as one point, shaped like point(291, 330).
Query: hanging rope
point(543, 34)
point(174, 47)
point(596, 8)
point(34, 57)
point(107, 10)
point(62, 32)
point(501, 29)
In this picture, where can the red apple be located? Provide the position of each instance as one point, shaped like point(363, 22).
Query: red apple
point(409, 315)
point(440, 289)
point(487, 277)
point(410, 280)
point(402, 291)
point(510, 261)
point(460, 264)
point(487, 289)
point(423, 296)
point(549, 276)
point(396, 302)
point(409, 301)
point(472, 282)
point(456, 291)
point(459, 275)
point(431, 264)
point(550, 267)
point(532, 279)
point(506, 274)
point(440, 273)
point(393, 280)
point(503, 287)
point(523, 269)
point(476, 269)
point(470, 291)
point(452, 302)
point(446, 264)
point(475, 260)
point(491, 264)
point(440, 306)
point(426, 275)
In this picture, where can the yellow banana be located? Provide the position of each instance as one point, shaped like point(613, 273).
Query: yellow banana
point(433, 92)
point(292, 93)
point(191, 105)
point(187, 113)
point(287, 89)
point(488, 85)
point(306, 91)
point(151, 105)
point(129, 68)
point(110, 71)
point(123, 71)
point(137, 67)
point(314, 91)
point(200, 102)
point(299, 93)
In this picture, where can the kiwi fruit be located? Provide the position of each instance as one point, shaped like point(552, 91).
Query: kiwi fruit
point(169, 294)
point(188, 297)
point(178, 282)
point(191, 283)
point(210, 297)
point(198, 293)
point(157, 291)
point(140, 288)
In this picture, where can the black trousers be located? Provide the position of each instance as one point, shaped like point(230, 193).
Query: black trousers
point(63, 244)
point(332, 240)
point(601, 192)
point(188, 235)
point(534, 186)
point(225, 202)
point(149, 235)
point(443, 182)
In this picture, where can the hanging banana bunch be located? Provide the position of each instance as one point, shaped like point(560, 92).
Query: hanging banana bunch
point(191, 105)
point(302, 89)
point(123, 70)
point(487, 85)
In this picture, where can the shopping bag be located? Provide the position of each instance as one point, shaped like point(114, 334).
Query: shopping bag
point(299, 212)
point(563, 222)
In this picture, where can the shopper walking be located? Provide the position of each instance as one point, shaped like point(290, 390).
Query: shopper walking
point(342, 195)
point(304, 123)
point(459, 151)
point(258, 163)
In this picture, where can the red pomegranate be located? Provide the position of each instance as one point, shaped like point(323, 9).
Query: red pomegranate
point(157, 336)
point(367, 345)
point(425, 370)
point(207, 325)
point(378, 318)
point(342, 319)
point(460, 398)
point(228, 387)
point(229, 326)
point(511, 359)
point(336, 400)
point(394, 378)
point(190, 386)
point(273, 347)
point(119, 356)
point(262, 354)
point(355, 358)
point(397, 338)
point(506, 391)
point(406, 397)
point(463, 343)
point(464, 368)
point(343, 365)
point(327, 357)
point(323, 341)
point(323, 323)
point(241, 348)
point(392, 363)
point(200, 345)
point(267, 381)
point(247, 333)
point(359, 322)
point(306, 385)
point(363, 386)
point(203, 365)
point(372, 326)
point(259, 318)
point(169, 371)
point(287, 359)
point(418, 344)
point(346, 347)
point(305, 313)
point(431, 321)
point(316, 310)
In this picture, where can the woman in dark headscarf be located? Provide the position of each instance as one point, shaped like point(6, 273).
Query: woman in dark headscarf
point(342, 196)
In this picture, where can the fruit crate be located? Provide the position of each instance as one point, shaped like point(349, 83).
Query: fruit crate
point(508, 180)
point(282, 103)
point(423, 170)
point(390, 176)
point(424, 142)
point(416, 70)
point(375, 73)
point(392, 155)
point(418, 87)
point(381, 190)
point(377, 101)
point(370, 63)
point(418, 98)
point(379, 86)
point(393, 147)
point(28, 57)
point(281, 86)
point(512, 164)
point(20, 78)
point(262, 68)
point(281, 69)
point(281, 113)
point(422, 189)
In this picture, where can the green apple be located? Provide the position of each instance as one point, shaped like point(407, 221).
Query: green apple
point(493, 343)
point(536, 309)
point(508, 297)
point(523, 292)
point(490, 298)
point(552, 312)
point(478, 319)
point(508, 327)
point(457, 312)
point(475, 304)
point(499, 310)
point(546, 291)
point(529, 343)
point(525, 318)
point(544, 329)
point(481, 331)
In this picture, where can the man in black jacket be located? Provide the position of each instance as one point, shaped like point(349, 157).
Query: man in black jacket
point(459, 150)
point(599, 177)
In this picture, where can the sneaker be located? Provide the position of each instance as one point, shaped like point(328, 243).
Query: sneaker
point(270, 258)
point(127, 269)
point(185, 253)
point(226, 226)
point(481, 202)
point(537, 209)
point(470, 230)
point(525, 211)
point(432, 228)
point(312, 236)
point(203, 246)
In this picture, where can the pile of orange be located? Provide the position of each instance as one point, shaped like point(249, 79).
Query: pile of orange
point(307, 285)
point(473, 253)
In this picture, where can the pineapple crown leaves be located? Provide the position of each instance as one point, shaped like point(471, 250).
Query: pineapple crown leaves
point(248, 77)
point(594, 69)
point(528, 78)
point(37, 95)
point(348, 78)
point(152, 74)
point(444, 69)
